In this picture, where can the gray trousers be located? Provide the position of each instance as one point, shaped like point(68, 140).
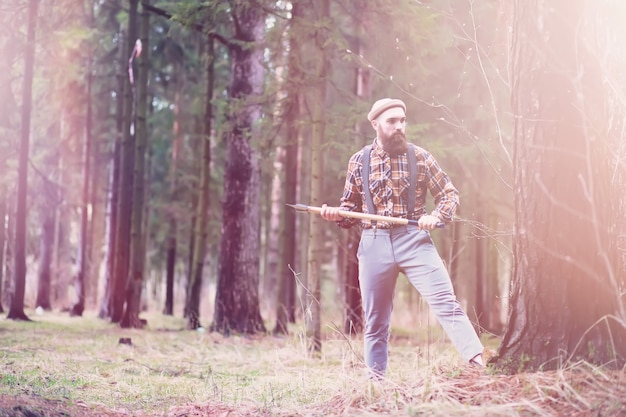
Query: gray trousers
point(382, 255)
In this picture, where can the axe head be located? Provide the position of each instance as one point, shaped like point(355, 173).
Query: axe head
point(299, 207)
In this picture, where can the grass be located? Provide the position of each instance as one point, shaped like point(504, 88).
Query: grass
point(169, 371)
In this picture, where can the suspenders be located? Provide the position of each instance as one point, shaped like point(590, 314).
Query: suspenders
point(365, 178)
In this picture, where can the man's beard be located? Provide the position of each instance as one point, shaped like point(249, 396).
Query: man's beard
point(395, 144)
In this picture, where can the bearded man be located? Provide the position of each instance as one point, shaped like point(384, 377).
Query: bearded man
point(391, 177)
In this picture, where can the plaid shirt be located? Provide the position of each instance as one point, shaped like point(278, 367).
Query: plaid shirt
point(389, 184)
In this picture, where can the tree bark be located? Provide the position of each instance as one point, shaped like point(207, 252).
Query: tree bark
point(316, 223)
point(563, 291)
point(81, 280)
point(201, 224)
point(97, 238)
point(354, 309)
point(172, 232)
point(106, 305)
point(111, 230)
point(237, 298)
point(9, 257)
point(46, 252)
point(492, 321)
point(285, 306)
point(135, 278)
point(353, 323)
point(7, 104)
point(124, 208)
point(273, 190)
point(16, 309)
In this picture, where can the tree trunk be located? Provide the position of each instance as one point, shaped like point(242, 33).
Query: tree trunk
point(84, 260)
point(170, 267)
point(62, 263)
point(316, 223)
point(7, 49)
point(46, 252)
point(124, 209)
point(172, 232)
point(98, 230)
point(563, 290)
point(237, 297)
point(8, 255)
point(3, 241)
point(98, 195)
point(354, 309)
point(274, 201)
point(285, 306)
point(16, 309)
point(134, 285)
point(111, 230)
point(493, 306)
point(353, 322)
point(115, 168)
point(201, 224)
point(8, 106)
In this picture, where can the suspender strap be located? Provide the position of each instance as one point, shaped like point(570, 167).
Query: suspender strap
point(412, 180)
point(365, 178)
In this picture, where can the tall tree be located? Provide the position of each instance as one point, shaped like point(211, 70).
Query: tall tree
point(237, 297)
point(565, 287)
point(125, 188)
point(201, 218)
point(317, 102)
point(81, 280)
point(353, 321)
point(172, 231)
point(135, 278)
point(7, 109)
point(16, 309)
point(285, 306)
point(92, 191)
point(112, 199)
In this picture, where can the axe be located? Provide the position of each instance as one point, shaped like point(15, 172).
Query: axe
point(303, 208)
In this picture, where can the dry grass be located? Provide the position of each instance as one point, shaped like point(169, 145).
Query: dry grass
point(170, 372)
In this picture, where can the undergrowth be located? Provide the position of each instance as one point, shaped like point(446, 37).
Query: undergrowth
point(167, 370)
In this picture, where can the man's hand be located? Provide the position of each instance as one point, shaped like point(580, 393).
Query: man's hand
point(428, 222)
point(330, 214)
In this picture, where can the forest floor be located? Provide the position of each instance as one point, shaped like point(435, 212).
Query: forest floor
point(57, 366)
point(34, 406)
point(483, 395)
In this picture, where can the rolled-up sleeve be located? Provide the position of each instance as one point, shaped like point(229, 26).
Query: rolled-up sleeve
point(351, 199)
point(441, 188)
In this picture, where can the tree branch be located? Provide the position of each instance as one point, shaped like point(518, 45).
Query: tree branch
point(195, 26)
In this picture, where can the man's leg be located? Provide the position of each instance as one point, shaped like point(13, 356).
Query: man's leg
point(377, 278)
point(419, 260)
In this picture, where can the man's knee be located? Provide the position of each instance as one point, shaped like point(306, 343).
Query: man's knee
point(376, 330)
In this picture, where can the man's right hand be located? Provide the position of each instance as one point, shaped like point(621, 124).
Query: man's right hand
point(330, 213)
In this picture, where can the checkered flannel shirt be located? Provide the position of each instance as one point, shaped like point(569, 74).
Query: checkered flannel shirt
point(389, 184)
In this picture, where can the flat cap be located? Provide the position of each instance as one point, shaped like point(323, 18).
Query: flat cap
point(384, 104)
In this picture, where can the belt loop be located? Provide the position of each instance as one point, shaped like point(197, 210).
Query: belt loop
point(375, 229)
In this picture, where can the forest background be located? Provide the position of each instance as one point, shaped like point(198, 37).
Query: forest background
point(150, 149)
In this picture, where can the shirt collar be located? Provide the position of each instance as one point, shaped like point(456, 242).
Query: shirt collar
point(378, 148)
